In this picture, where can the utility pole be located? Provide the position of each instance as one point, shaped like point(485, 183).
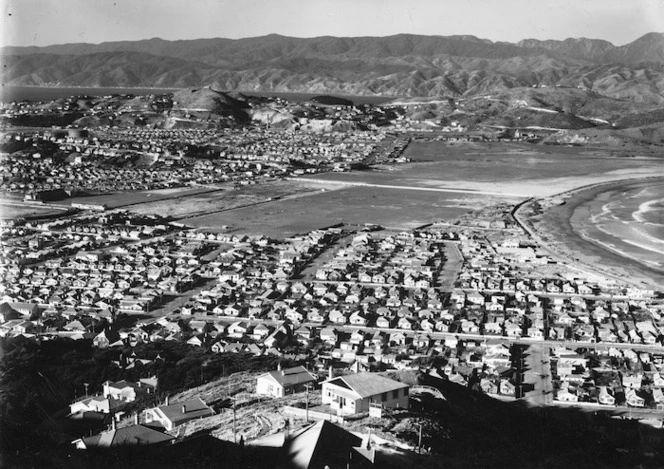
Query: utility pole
point(419, 441)
point(306, 400)
point(234, 429)
point(86, 388)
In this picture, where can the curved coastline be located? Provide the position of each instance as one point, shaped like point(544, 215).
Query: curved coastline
point(569, 228)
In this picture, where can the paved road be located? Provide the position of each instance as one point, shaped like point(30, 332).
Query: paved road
point(538, 373)
point(625, 412)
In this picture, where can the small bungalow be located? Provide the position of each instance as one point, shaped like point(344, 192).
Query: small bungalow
point(352, 394)
point(281, 382)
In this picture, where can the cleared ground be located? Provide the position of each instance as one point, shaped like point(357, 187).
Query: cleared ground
point(519, 169)
point(210, 202)
point(122, 199)
point(20, 210)
point(391, 208)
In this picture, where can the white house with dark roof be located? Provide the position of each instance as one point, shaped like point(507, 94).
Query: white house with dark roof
point(99, 403)
point(352, 394)
point(128, 390)
point(171, 416)
point(280, 382)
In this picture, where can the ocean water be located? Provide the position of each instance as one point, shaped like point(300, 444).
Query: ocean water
point(47, 93)
point(630, 220)
point(43, 93)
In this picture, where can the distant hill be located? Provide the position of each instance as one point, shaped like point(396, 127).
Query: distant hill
point(401, 65)
point(208, 100)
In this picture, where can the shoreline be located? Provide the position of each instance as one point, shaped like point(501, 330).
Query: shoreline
point(560, 228)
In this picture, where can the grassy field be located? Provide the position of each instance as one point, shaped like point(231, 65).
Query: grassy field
point(215, 201)
point(121, 199)
point(519, 169)
point(19, 210)
point(392, 208)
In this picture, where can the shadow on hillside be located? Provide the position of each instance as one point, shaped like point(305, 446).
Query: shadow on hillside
point(486, 432)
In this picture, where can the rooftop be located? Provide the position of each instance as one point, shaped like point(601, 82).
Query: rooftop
point(367, 384)
point(291, 376)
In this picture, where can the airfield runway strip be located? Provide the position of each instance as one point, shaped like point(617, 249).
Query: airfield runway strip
point(406, 188)
point(252, 204)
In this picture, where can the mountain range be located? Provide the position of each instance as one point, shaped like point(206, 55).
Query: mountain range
point(402, 65)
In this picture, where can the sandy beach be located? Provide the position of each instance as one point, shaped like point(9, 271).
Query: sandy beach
point(592, 228)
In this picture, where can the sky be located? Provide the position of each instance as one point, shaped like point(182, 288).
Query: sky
point(45, 22)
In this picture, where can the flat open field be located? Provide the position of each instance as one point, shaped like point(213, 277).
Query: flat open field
point(516, 169)
point(211, 202)
point(393, 208)
point(121, 199)
point(19, 210)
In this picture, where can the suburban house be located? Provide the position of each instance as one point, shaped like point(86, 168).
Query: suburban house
point(102, 404)
point(633, 400)
point(107, 339)
point(173, 415)
point(131, 435)
point(564, 395)
point(280, 382)
point(604, 396)
point(352, 394)
point(127, 390)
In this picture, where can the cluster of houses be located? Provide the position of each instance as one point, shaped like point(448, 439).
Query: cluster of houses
point(402, 259)
point(609, 377)
point(127, 278)
point(253, 297)
point(133, 278)
point(54, 164)
point(344, 395)
point(38, 242)
point(99, 167)
point(499, 292)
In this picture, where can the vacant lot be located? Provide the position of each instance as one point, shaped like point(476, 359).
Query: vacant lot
point(517, 169)
point(209, 202)
point(19, 210)
point(122, 199)
point(392, 208)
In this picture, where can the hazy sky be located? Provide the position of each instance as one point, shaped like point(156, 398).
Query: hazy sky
point(43, 22)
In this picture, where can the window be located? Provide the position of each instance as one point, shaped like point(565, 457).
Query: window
point(405, 391)
point(384, 396)
point(395, 394)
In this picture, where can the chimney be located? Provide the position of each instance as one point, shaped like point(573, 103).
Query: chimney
point(279, 366)
point(184, 409)
point(166, 400)
point(136, 418)
point(330, 374)
point(113, 423)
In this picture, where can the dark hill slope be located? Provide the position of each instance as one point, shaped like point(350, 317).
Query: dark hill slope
point(483, 432)
point(209, 100)
point(647, 48)
point(400, 65)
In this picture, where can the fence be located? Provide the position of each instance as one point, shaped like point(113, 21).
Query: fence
point(313, 415)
